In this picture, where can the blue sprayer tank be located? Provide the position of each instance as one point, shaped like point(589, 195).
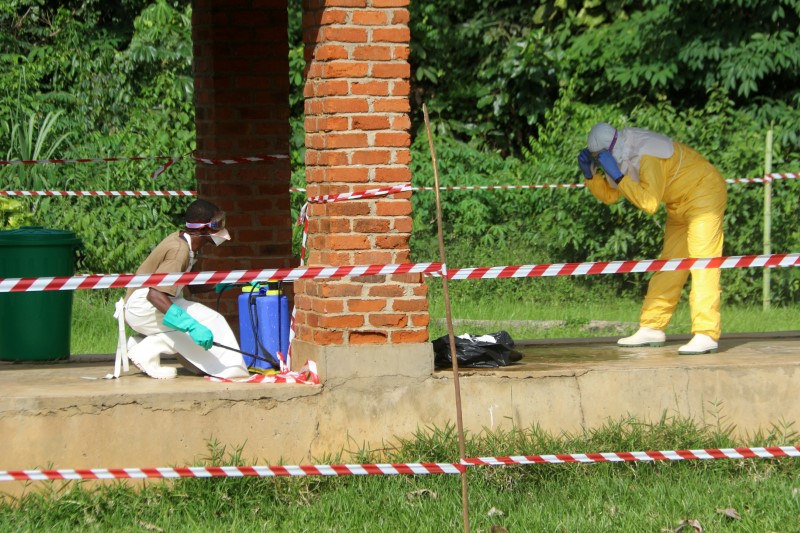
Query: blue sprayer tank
point(263, 323)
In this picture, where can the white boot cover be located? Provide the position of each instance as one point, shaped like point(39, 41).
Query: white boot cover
point(699, 344)
point(644, 337)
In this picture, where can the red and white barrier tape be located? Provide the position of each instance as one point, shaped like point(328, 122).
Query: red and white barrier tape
point(773, 452)
point(671, 455)
point(98, 193)
point(117, 281)
point(621, 267)
point(305, 376)
point(364, 194)
point(207, 161)
point(231, 471)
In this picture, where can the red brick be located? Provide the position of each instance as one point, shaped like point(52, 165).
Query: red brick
point(400, 88)
point(349, 242)
point(348, 209)
point(391, 105)
point(393, 174)
point(391, 70)
point(332, 158)
point(400, 122)
point(341, 321)
point(408, 336)
point(347, 174)
point(389, 3)
point(366, 306)
point(387, 320)
point(343, 3)
point(373, 53)
point(369, 122)
point(370, 88)
point(393, 139)
point(335, 289)
point(326, 306)
point(345, 105)
point(371, 157)
point(403, 224)
point(326, 52)
point(331, 88)
point(388, 291)
point(398, 34)
point(391, 241)
point(400, 16)
point(367, 337)
point(346, 140)
point(332, 16)
point(421, 320)
point(370, 18)
point(417, 304)
point(347, 69)
point(371, 225)
point(344, 34)
point(401, 52)
point(373, 258)
point(327, 337)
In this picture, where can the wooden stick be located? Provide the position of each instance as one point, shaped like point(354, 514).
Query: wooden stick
point(449, 319)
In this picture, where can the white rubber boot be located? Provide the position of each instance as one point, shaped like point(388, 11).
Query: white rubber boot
point(644, 337)
point(698, 345)
point(148, 360)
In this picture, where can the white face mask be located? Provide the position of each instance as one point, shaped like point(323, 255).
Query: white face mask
point(220, 236)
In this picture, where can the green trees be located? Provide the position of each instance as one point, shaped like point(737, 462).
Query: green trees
point(98, 79)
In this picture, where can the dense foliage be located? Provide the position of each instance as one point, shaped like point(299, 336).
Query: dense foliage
point(512, 88)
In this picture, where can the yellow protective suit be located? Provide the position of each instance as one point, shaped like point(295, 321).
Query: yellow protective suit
point(695, 195)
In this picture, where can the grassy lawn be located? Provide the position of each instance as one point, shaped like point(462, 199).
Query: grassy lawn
point(721, 495)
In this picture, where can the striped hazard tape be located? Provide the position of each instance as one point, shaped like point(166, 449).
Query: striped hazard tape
point(671, 455)
point(390, 469)
point(116, 281)
point(370, 193)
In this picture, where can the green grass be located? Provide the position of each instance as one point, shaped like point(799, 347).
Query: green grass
point(592, 497)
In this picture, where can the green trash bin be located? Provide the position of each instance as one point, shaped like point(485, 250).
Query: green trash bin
point(35, 326)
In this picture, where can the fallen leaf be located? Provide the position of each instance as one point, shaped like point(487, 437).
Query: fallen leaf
point(497, 528)
point(730, 513)
point(150, 527)
point(495, 512)
point(422, 493)
point(686, 523)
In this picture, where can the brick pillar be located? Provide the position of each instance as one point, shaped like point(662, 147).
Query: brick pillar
point(357, 137)
point(241, 80)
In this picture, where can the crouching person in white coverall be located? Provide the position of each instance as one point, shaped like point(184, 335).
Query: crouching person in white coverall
point(171, 324)
point(647, 169)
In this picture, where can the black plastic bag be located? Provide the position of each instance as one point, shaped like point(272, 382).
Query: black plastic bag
point(476, 352)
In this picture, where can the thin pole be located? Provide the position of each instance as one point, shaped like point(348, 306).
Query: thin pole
point(449, 319)
point(766, 294)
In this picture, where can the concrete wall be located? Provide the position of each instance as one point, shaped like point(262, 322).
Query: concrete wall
point(141, 422)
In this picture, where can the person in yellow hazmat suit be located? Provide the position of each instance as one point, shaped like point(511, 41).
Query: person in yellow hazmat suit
point(647, 169)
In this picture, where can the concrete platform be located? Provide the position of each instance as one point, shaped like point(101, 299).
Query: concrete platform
point(52, 417)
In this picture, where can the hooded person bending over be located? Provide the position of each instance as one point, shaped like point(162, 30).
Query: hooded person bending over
point(171, 324)
point(648, 169)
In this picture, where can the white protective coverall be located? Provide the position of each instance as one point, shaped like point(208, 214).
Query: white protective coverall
point(174, 254)
point(658, 169)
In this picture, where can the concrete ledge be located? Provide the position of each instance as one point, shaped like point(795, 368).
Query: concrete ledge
point(51, 417)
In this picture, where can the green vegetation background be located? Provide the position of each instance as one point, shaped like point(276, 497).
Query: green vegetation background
point(512, 87)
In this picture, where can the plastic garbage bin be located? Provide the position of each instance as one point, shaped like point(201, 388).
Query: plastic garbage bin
point(35, 326)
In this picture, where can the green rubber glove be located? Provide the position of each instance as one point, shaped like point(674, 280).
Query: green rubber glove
point(179, 319)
